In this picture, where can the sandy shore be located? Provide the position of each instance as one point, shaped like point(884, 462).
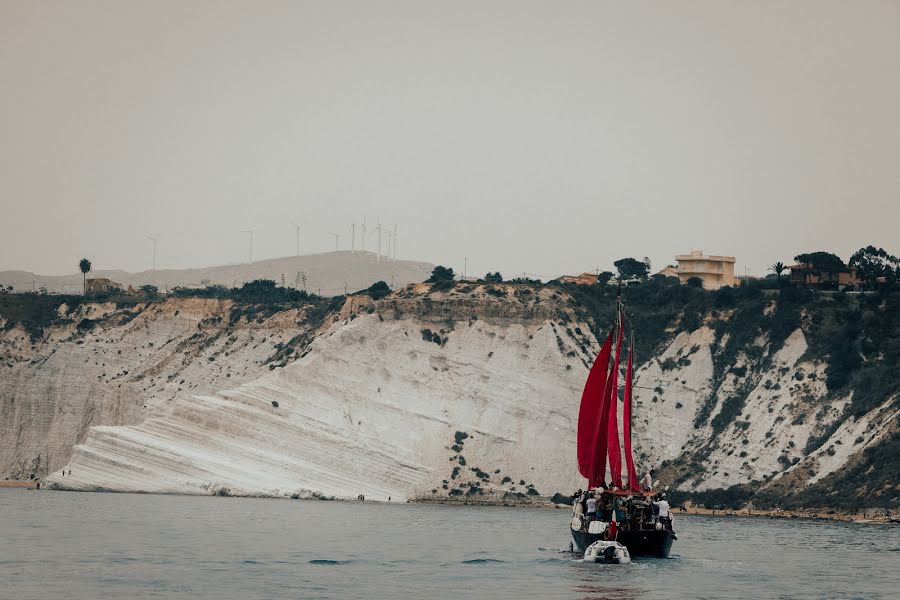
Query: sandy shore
point(30, 484)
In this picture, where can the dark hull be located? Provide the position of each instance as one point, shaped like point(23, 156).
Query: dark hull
point(639, 543)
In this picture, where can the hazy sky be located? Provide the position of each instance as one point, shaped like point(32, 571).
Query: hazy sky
point(539, 137)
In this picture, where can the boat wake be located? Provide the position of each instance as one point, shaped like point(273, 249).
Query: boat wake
point(326, 561)
point(482, 561)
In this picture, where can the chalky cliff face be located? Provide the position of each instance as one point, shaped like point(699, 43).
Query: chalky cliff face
point(420, 395)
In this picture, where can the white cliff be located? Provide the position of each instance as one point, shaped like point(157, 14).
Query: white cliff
point(372, 409)
point(419, 395)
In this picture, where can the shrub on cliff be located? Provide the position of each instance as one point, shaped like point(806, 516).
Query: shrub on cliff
point(377, 290)
point(440, 273)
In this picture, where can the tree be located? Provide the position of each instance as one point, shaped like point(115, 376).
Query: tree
point(85, 266)
point(149, 290)
point(695, 282)
point(258, 290)
point(604, 276)
point(378, 290)
point(493, 277)
point(778, 268)
point(440, 274)
point(871, 263)
point(820, 263)
point(631, 268)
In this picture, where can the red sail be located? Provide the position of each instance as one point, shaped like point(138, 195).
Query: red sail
point(633, 483)
point(598, 465)
point(615, 457)
point(589, 413)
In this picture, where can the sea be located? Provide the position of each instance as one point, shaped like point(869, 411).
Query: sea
point(95, 546)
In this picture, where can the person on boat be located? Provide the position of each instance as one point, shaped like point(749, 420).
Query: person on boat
point(577, 506)
point(591, 507)
point(665, 513)
point(602, 503)
point(647, 481)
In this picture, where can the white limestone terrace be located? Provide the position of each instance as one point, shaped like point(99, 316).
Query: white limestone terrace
point(773, 426)
point(851, 436)
point(372, 409)
point(669, 391)
point(172, 400)
point(127, 367)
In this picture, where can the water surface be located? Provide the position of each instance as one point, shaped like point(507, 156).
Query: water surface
point(87, 546)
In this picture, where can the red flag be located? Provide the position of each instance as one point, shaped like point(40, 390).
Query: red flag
point(588, 414)
point(633, 483)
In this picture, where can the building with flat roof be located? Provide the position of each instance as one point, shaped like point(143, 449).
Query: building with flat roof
point(101, 284)
point(807, 276)
point(583, 279)
point(714, 271)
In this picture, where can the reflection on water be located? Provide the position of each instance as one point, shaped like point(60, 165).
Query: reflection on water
point(71, 545)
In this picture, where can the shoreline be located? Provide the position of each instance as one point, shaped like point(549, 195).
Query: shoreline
point(819, 514)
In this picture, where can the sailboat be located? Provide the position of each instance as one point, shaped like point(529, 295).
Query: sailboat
point(624, 512)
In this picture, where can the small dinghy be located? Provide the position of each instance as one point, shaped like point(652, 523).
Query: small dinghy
point(611, 553)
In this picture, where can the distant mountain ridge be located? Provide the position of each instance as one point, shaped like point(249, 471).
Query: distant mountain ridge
point(326, 274)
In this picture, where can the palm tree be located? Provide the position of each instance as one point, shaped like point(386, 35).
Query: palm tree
point(85, 266)
point(778, 268)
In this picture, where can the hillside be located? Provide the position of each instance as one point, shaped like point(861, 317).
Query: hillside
point(779, 397)
point(327, 274)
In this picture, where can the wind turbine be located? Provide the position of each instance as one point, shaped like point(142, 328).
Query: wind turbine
point(337, 240)
point(394, 241)
point(364, 234)
point(250, 232)
point(297, 227)
point(388, 235)
point(353, 238)
point(378, 231)
point(153, 237)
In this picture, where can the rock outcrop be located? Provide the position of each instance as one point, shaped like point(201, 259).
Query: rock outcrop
point(468, 392)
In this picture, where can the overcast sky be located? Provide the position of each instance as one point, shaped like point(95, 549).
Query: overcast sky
point(539, 137)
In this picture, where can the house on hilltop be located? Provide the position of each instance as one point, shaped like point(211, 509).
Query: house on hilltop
point(99, 285)
point(807, 275)
point(714, 271)
point(583, 279)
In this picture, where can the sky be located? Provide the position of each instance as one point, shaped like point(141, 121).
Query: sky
point(528, 137)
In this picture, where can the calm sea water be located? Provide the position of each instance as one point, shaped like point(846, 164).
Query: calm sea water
point(73, 546)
